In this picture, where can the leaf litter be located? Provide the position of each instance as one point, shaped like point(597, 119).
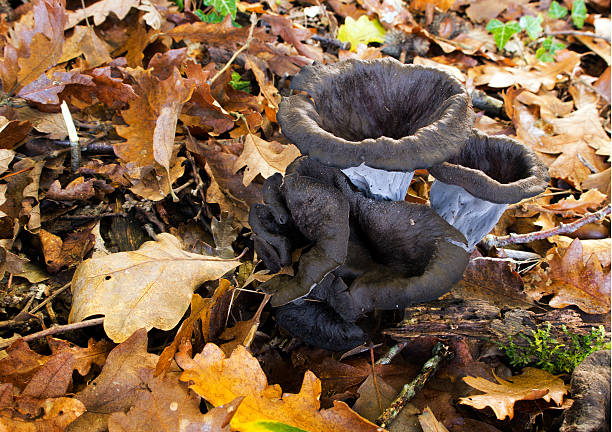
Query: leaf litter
point(169, 143)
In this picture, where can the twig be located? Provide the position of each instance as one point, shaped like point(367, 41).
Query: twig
point(579, 33)
point(440, 353)
point(491, 241)
point(395, 350)
point(58, 329)
point(51, 297)
point(237, 53)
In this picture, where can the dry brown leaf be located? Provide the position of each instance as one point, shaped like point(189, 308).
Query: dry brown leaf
point(152, 119)
point(34, 45)
point(430, 423)
point(12, 132)
point(551, 107)
point(220, 380)
point(119, 384)
point(201, 309)
point(150, 287)
point(443, 5)
point(531, 384)
point(77, 190)
point(154, 185)
point(111, 90)
point(294, 34)
point(573, 279)
point(53, 378)
point(169, 405)
point(53, 414)
point(243, 332)
point(588, 201)
point(84, 41)
point(390, 12)
point(71, 250)
point(264, 157)
point(600, 247)
point(6, 157)
point(267, 88)
point(85, 358)
point(20, 364)
point(99, 11)
point(545, 75)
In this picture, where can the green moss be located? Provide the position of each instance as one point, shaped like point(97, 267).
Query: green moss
point(543, 351)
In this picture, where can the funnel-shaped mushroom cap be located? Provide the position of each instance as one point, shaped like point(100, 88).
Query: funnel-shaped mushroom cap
point(383, 113)
point(494, 168)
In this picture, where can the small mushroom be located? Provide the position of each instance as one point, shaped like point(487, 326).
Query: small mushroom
point(361, 254)
point(377, 120)
point(474, 188)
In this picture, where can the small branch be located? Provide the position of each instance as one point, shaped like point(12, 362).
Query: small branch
point(579, 33)
point(58, 329)
point(393, 351)
point(440, 353)
point(237, 53)
point(491, 241)
point(51, 297)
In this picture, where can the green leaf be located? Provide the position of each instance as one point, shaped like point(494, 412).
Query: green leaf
point(180, 4)
point(238, 84)
point(223, 7)
point(502, 32)
point(579, 13)
point(362, 31)
point(546, 53)
point(557, 11)
point(532, 25)
point(271, 426)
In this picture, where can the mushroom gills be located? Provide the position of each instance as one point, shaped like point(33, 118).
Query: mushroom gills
point(473, 217)
point(380, 184)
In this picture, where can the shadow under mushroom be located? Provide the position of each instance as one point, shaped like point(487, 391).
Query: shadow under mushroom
point(474, 188)
point(377, 120)
point(359, 254)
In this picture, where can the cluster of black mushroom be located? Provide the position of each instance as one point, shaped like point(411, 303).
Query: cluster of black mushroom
point(364, 127)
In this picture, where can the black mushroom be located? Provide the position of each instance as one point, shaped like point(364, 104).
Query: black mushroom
point(377, 120)
point(358, 254)
point(474, 188)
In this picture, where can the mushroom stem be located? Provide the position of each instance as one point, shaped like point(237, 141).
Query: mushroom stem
point(380, 184)
point(473, 217)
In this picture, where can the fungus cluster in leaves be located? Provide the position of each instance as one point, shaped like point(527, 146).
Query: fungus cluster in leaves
point(366, 126)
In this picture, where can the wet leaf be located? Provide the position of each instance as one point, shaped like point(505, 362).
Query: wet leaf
point(150, 287)
point(531, 384)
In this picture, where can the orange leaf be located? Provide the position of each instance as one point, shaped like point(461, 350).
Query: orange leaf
point(220, 380)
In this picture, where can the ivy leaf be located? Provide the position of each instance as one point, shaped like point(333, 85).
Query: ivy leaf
point(532, 25)
point(223, 7)
point(546, 53)
point(557, 11)
point(362, 31)
point(579, 13)
point(238, 84)
point(502, 32)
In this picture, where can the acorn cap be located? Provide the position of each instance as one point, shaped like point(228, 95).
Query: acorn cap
point(383, 113)
point(497, 169)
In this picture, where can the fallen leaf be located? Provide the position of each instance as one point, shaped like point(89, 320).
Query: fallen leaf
point(220, 380)
point(573, 279)
point(429, 423)
point(294, 34)
point(12, 132)
point(531, 384)
point(20, 364)
point(168, 405)
point(589, 201)
point(443, 5)
point(99, 11)
point(84, 41)
point(264, 157)
point(53, 378)
point(53, 414)
point(34, 45)
point(95, 353)
point(71, 250)
point(111, 90)
point(119, 384)
point(77, 190)
point(243, 332)
point(600, 247)
point(391, 12)
point(150, 287)
point(362, 31)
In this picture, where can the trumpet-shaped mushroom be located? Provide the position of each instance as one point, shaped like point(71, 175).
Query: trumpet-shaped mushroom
point(361, 254)
point(474, 188)
point(377, 120)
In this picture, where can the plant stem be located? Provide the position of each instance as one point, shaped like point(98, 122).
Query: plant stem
point(58, 329)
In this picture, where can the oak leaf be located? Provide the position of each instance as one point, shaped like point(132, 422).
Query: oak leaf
point(264, 157)
point(169, 405)
point(149, 287)
point(84, 41)
point(572, 279)
point(95, 353)
point(220, 380)
point(590, 200)
point(34, 45)
point(12, 132)
point(99, 11)
point(530, 385)
point(20, 364)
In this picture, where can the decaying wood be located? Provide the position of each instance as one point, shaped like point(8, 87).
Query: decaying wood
point(480, 319)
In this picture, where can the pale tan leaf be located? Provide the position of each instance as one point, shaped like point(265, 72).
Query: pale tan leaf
point(149, 287)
